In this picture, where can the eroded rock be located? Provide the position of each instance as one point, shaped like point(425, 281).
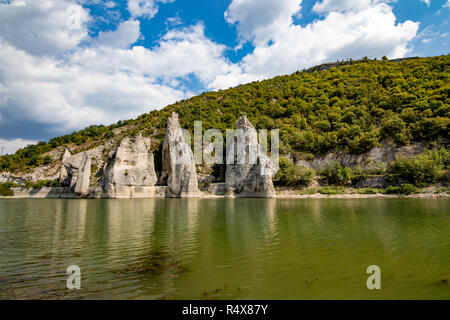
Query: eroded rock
point(250, 174)
point(131, 171)
point(178, 161)
point(84, 176)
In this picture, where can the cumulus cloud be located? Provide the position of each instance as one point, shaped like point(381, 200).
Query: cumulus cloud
point(127, 33)
point(427, 2)
point(144, 8)
point(43, 27)
point(261, 19)
point(71, 96)
point(104, 81)
point(369, 31)
point(345, 5)
point(10, 146)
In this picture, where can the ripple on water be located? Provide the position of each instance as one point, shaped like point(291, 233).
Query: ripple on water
point(224, 249)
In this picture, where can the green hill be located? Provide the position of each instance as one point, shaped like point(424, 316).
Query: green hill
point(350, 106)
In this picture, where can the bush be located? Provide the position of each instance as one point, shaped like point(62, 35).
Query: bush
point(368, 191)
point(403, 189)
point(292, 175)
point(299, 176)
point(5, 189)
point(42, 183)
point(334, 173)
point(427, 168)
point(375, 168)
point(331, 190)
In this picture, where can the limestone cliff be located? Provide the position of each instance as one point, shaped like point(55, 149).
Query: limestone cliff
point(84, 175)
point(178, 161)
point(130, 170)
point(250, 173)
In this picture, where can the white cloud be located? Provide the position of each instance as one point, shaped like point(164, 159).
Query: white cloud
point(427, 2)
point(72, 96)
point(43, 27)
point(259, 20)
point(10, 146)
point(104, 81)
point(144, 8)
point(345, 5)
point(179, 53)
point(371, 31)
point(127, 33)
point(447, 5)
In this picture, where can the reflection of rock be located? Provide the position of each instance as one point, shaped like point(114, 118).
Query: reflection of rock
point(131, 170)
point(178, 161)
point(84, 175)
point(251, 176)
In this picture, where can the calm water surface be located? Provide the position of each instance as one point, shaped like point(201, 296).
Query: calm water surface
point(225, 249)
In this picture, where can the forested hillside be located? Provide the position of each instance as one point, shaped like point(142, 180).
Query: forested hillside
point(350, 106)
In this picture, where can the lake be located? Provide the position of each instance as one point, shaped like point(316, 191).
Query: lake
point(225, 248)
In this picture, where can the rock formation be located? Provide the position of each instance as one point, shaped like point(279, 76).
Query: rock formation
point(70, 168)
point(250, 173)
point(178, 161)
point(84, 176)
point(64, 175)
point(131, 170)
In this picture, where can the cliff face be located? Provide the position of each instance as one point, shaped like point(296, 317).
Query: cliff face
point(178, 161)
point(130, 168)
point(250, 173)
point(84, 175)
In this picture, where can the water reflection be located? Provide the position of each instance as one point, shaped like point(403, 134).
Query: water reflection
point(223, 248)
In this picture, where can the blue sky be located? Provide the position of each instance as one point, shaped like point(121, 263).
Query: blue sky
point(66, 64)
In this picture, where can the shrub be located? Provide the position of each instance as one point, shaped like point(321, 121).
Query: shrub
point(46, 160)
point(299, 176)
point(402, 189)
point(375, 168)
point(331, 190)
point(427, 168)
point(334, 173)
point(292, 175)
point(42, 183)
point(5, 189)
point(368, 191)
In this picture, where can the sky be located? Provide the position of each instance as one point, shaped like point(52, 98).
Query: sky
point(68, 64)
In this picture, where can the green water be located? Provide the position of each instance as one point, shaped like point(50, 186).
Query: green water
point(225, 249)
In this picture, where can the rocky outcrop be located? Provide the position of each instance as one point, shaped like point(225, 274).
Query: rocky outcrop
point(250, 174)
point(130, 171)
point(64, 178)
point(7, 177)
point(178, 161)
point(386, 153)
point(71, 165)
point(84, 176)
point(373, 182)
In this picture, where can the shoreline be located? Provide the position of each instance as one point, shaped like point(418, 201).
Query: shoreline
point(63, 193)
